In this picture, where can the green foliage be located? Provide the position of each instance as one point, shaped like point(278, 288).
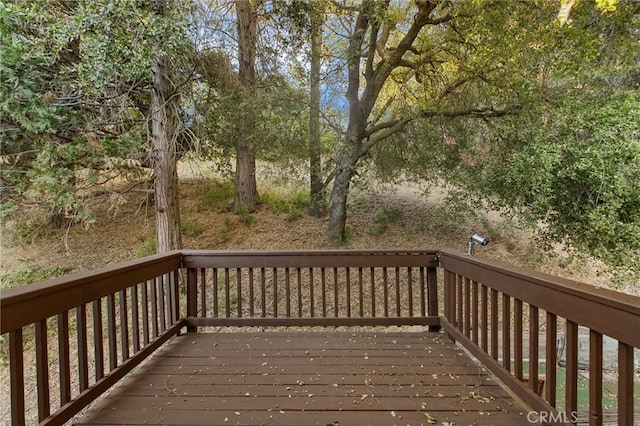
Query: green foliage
point(292, 204)
point(30, 275)
point(576, 167)
point(216, 195)
point(147, 248)
point(569, 161)
point(74, 82)
point(245, 216)
point(280, 114)
point(388, 215)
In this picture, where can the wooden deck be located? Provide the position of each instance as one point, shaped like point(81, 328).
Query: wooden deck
point(305, 378)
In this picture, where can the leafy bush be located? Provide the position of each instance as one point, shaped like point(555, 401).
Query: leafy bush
point(293, 204)
point(216, 195)
point(387, 216)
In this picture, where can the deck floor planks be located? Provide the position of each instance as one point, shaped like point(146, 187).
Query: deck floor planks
point(301, 378)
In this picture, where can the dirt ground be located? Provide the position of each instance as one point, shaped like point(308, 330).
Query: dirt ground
point(399, 216)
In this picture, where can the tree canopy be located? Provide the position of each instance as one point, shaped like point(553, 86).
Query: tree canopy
point(531, 105)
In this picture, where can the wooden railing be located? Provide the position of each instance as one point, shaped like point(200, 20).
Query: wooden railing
point(485, 306)
point(86, 331)
point(321, 288)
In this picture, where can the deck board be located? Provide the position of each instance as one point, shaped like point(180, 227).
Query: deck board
point(305, 378)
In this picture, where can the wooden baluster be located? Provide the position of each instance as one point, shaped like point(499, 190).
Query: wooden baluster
point(203, 292)
point(447, 295)
point(83, 347)
point(239, 291)
point(16, 372)
point(287, 291)
point(373, 291)
point(551, 363)
point(98, 341)
point(484, 335)
point(111, 331)
point(534, 326)
point(135, 320)
point(595, 378)
point(348, 292)
point(360, 293)
point(275, 292)
point(571, 385)
point(474, 312)
point(517, 338)
point(251, 294)
point(42, 370)
point(263, 295)
point(124, 326)
point(385, 291)
point(625, 384)
point(324, 292)
point(432, 295)
point(227, 294)
point(494, 324)
point(174, 295)
point(459, 302)
point(335, 292)
point(467, 307)
point(216, 303)
point(192, 297)
point(311, 302)
point(397, 288)
point(506, 331)
point(145, 313)
point(423, 296)
point(161, 304)
point(299, 279)
point(64, 361)
point(453, 299)
point(410, 291)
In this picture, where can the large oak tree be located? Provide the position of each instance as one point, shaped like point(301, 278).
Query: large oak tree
point(382, 43)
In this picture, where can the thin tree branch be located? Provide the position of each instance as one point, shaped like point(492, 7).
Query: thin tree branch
point(387, 129)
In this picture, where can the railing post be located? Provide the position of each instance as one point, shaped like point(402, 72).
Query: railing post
point(192, 297)
point(432, 296)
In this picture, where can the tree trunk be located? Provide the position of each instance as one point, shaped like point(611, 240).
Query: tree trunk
point(164, 134)
point(361, 63)
point(338, 201)
point(318, 207)
point(246, 195)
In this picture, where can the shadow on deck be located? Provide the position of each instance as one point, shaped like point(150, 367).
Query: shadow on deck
point(310, 378)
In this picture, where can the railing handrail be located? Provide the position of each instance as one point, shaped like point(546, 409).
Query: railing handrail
point(614, 314)
point(26, 305)
point(615, 299)
point(306, 258)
